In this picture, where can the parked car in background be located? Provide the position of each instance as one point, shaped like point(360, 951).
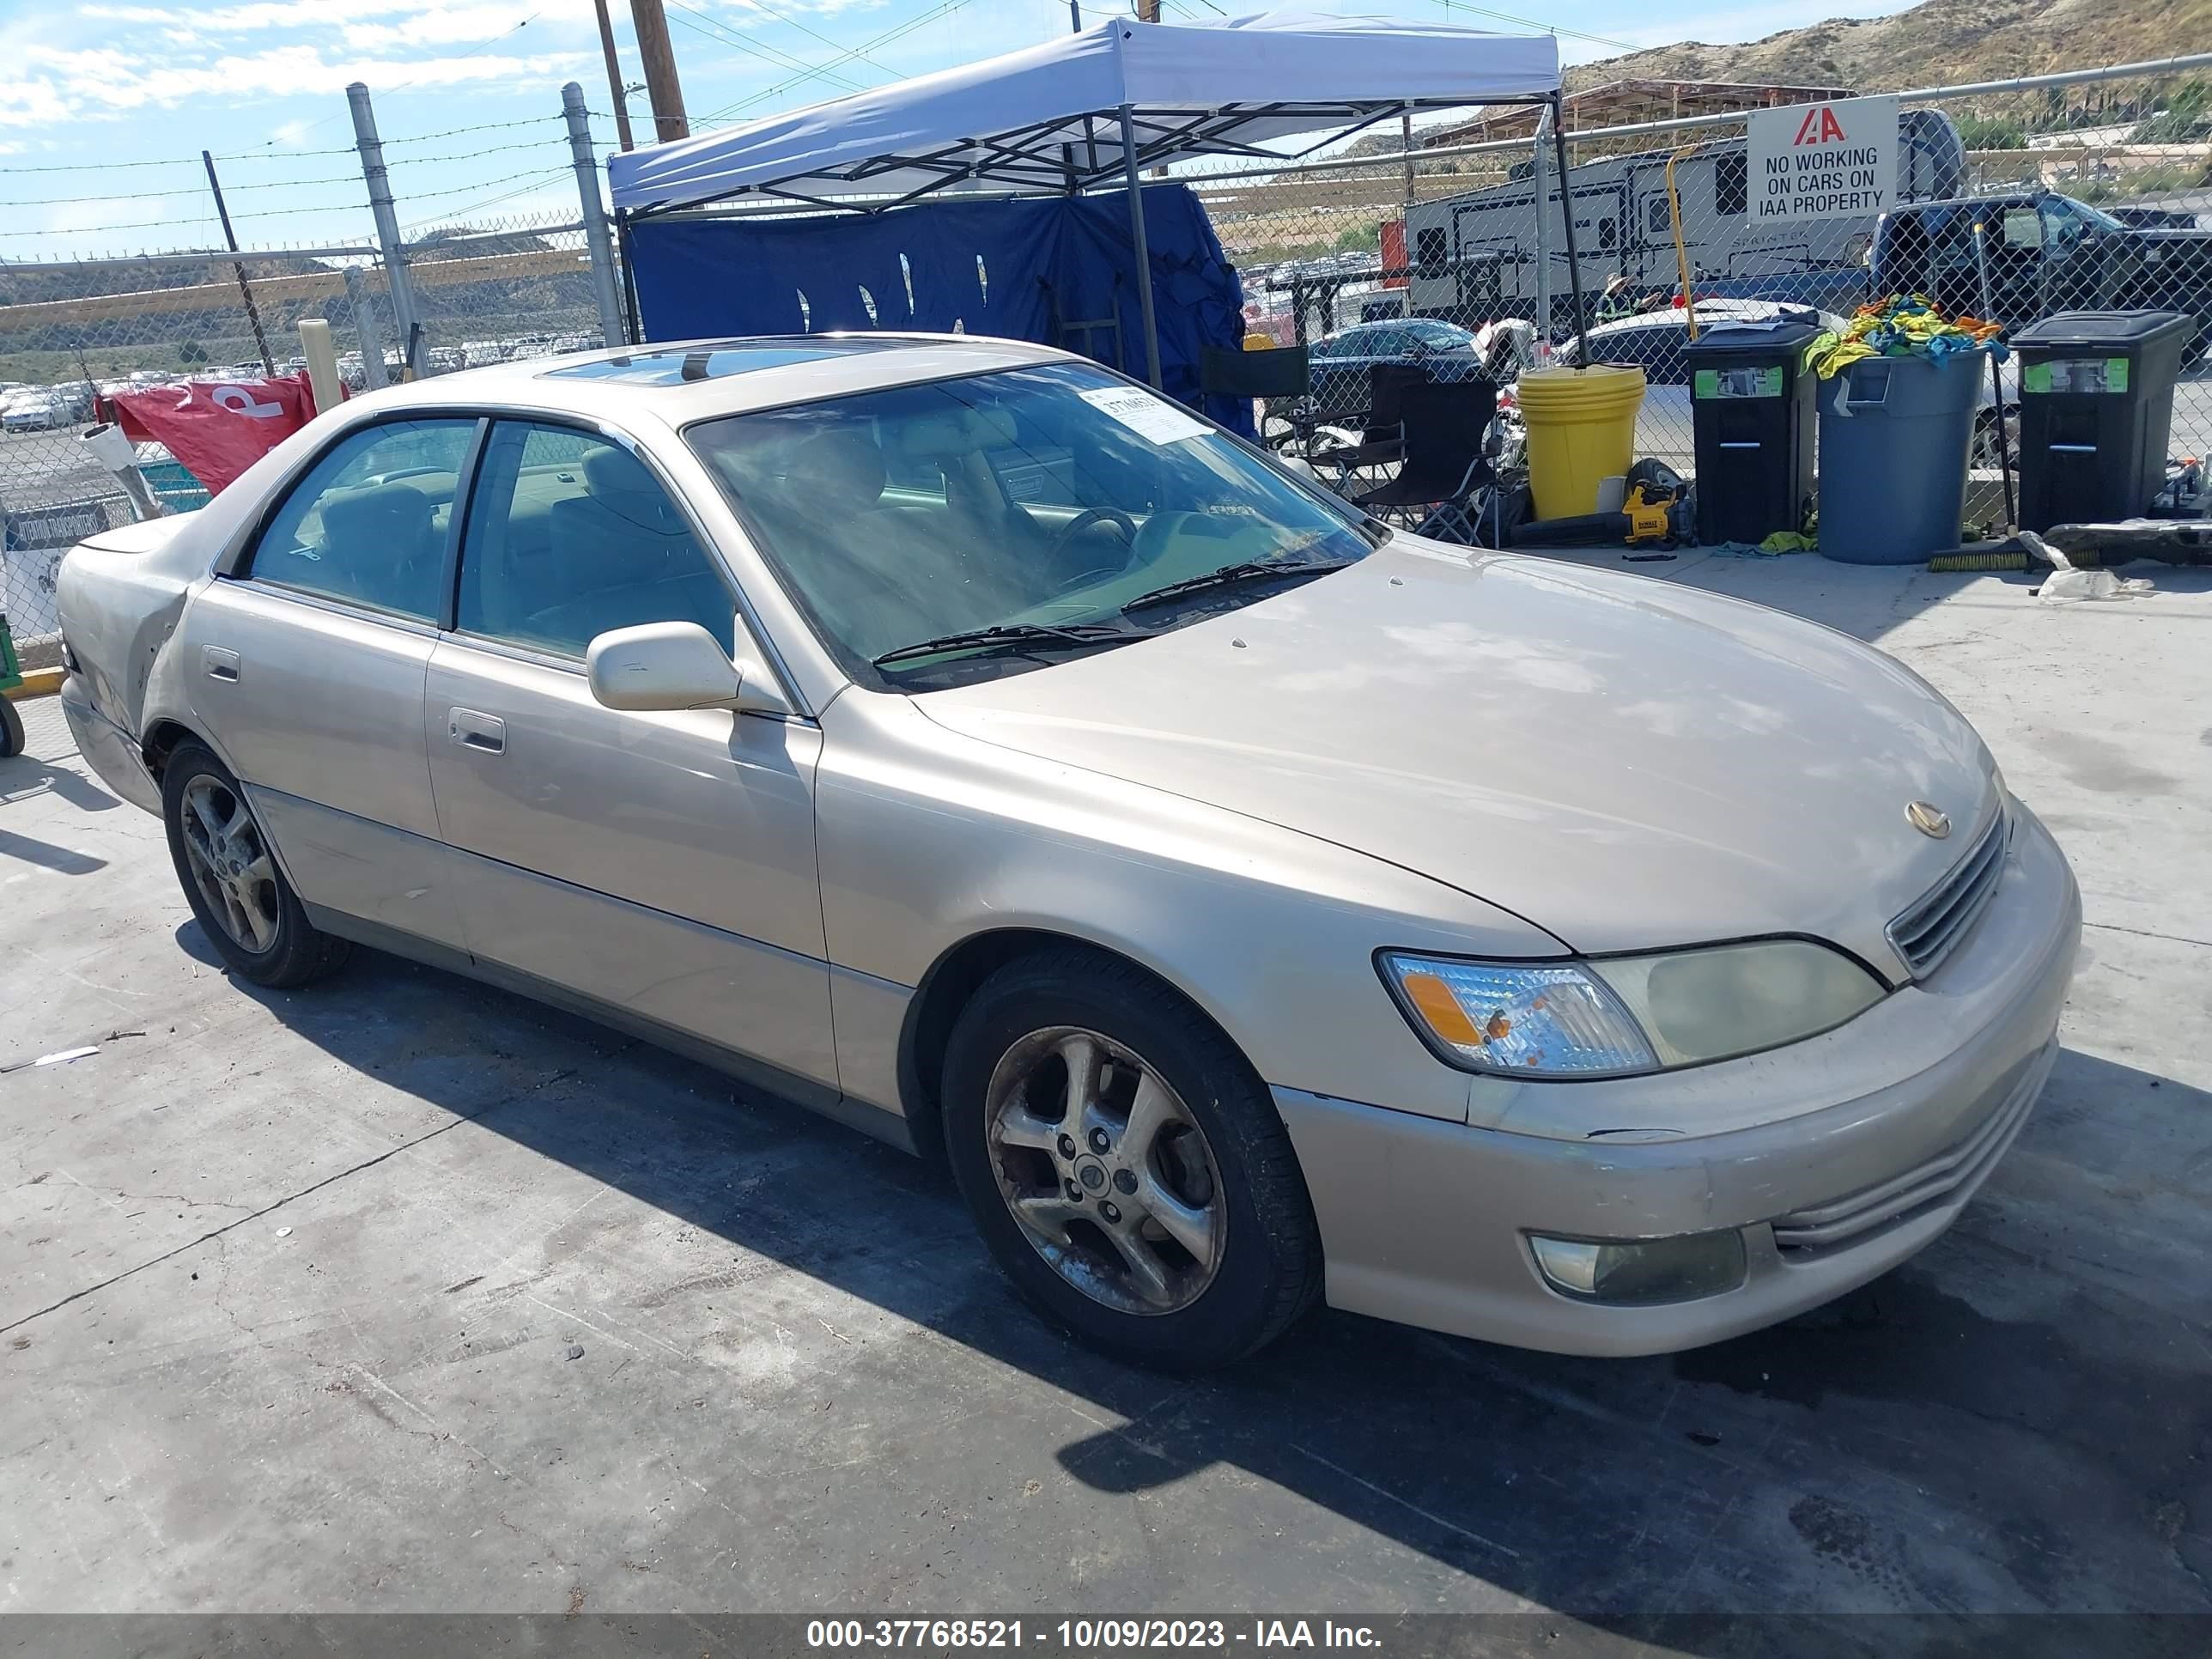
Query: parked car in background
point(1254, 904)
point(2045, 253)
point(1341, 365)
point(1655, 342)
point(34, 411)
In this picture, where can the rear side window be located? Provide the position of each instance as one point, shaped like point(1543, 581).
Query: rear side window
point(569, 536)
point(367, 525)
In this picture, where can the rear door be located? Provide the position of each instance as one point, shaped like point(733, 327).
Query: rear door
point(660, 864)
point(307, 666)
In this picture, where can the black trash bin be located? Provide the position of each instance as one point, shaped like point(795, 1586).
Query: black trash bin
point(2096, 409)
point(1751, 412)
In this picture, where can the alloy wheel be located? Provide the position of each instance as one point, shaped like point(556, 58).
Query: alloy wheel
point(1105, 1170)
point(230, 863)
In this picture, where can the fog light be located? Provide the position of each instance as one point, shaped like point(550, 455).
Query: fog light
point(1641, 1272)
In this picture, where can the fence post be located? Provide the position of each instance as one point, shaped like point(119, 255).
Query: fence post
point(1540, 191)
point(364, 323)
point(595, 217)
point(405, 317)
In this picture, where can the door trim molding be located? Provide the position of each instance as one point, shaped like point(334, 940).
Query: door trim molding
point(771, 1079)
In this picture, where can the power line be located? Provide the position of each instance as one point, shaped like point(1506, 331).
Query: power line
point(889, 35)
point(805, 28)
point(1531, 23)
point(724, 35)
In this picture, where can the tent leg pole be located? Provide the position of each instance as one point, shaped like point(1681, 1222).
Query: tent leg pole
point(1144, 254)
point(636, 323)
point(1567, 216)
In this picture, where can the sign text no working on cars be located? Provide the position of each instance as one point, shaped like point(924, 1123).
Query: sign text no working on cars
point(1829, 160)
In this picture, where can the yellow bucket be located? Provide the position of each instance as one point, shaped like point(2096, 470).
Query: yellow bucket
point(1582, 430)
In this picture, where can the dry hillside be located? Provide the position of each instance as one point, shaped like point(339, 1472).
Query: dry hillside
point(1940, 43)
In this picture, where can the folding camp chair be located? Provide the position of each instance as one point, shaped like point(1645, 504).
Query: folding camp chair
point(1383, 439)
point(1444, 465)
point(1074, 333)
point(1280, 374)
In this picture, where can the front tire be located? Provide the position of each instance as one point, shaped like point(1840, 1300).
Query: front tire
point(1127, 1168)
point(231, 877)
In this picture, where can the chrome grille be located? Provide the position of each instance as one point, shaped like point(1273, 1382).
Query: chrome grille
point(1933, 927)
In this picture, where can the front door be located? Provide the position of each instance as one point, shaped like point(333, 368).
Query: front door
point(661, 864)
point(307, 670)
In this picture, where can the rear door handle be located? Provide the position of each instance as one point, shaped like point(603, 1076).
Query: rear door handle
point(221, 664)
point(486, 733)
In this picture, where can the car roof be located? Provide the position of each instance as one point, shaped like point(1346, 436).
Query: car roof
point(1756, 310)
point(675, 383)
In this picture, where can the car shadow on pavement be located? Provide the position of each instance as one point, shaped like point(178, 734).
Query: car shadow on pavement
point(2020, 1420)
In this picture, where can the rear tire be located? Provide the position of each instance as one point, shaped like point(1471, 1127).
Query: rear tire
point(1177, 1232)
point(11, 728)
point(228, 870)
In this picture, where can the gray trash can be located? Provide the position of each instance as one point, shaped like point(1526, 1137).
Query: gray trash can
point(1894, 434)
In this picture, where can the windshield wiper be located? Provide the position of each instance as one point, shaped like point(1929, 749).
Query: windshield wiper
point(1012, 635)
point(1233, 575)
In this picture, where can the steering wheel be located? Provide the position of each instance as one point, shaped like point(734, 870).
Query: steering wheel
point(1083, 521)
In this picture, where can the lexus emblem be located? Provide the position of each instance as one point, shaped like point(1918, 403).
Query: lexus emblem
point(1931, 821)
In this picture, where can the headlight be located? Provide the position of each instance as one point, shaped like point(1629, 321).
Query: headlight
point(1628, 1014)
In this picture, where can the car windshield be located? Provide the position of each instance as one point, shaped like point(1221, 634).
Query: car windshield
point(1036, 502)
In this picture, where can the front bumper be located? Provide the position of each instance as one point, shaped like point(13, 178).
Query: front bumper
point(1426, 1222)
point(112, 752)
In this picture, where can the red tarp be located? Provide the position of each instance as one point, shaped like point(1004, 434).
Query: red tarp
point(216, 428)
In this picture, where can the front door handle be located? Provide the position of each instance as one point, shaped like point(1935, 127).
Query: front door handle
point(486, 733)
point(221, 664)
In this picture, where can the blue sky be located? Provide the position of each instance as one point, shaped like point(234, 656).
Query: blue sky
point(107, 103)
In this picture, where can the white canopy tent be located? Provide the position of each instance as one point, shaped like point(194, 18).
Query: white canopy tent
point(1093, 108)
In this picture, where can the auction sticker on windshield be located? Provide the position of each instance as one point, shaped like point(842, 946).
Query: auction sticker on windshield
point(1145, 414)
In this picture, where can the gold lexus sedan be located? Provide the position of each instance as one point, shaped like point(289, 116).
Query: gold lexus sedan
point(1251, 904)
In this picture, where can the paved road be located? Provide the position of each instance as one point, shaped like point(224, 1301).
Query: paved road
point(398, 1294)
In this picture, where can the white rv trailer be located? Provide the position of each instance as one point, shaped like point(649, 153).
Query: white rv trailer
point(1474, 257)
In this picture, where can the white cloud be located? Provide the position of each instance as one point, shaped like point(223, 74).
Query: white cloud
point(293, 134)
point(107, 77)
point(442, 26)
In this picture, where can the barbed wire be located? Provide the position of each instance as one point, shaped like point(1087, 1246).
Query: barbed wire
point(290, 155)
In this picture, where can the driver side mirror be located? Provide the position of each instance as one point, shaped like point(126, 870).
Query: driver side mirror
point(660, 665)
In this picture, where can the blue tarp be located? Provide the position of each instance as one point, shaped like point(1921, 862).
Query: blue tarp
point(1020, 269)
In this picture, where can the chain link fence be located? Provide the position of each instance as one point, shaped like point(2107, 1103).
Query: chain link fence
point(2094, 192)
point(74, 331)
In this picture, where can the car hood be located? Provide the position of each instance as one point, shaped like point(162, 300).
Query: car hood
point(1627, 764)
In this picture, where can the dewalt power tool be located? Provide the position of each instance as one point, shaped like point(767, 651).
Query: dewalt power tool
point(1656, 512)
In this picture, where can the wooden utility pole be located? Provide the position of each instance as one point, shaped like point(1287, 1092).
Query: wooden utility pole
point(1148, 11)
point(661, 85)
point(614, 75)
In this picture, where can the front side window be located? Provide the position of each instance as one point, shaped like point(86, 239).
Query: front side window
point(568, 536)
point(367, 525)
point(900, 516)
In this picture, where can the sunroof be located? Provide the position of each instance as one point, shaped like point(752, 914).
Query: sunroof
point(716, 361)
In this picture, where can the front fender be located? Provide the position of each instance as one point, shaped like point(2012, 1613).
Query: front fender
point(927, 838)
